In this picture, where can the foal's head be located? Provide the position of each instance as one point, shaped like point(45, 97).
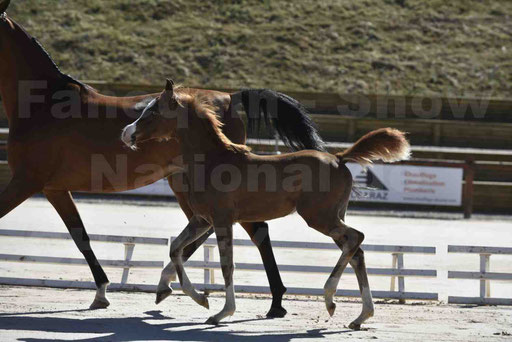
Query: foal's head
point(170, 112)
point(158, 120)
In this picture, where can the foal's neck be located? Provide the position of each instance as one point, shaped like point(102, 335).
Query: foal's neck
point(203, 136)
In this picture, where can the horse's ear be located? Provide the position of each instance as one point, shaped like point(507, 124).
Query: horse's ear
point(170, 85)
point(3, 5)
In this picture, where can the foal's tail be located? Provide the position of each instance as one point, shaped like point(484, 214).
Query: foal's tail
point(288, 116)
point(386, 144)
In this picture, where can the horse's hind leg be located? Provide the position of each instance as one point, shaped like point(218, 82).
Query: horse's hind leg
point(62, 201)
point(196, 228)
point(260, 237)
point(358, 264)
point(349, 239)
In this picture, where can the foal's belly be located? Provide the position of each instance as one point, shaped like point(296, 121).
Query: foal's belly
point(263, 207)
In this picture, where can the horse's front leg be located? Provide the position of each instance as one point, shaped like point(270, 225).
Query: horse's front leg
point(164, 290)
point(16, 192)
point(260, 237)
point(224, 234)
point(62, 201)
point(168, 274)
point(196, 228)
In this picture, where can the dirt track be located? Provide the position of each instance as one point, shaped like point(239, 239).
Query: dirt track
point(40, 314)
point(35, 314)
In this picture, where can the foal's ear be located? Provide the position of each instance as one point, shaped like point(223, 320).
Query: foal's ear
point(170, 85)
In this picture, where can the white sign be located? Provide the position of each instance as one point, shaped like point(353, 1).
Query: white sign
point(408, 184)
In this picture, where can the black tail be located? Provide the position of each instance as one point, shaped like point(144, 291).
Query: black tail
point(288, 116)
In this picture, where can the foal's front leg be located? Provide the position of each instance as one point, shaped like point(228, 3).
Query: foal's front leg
point(225, 243)
point(196, 228)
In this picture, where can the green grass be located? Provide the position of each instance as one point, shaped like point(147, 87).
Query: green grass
point(459, 47)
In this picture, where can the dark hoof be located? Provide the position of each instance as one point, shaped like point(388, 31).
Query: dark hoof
point(212, 321)
point(331, 308)
point(204, 302)
point(99, 304)
point(355, 326)
point(277, 312)
point(160, 296)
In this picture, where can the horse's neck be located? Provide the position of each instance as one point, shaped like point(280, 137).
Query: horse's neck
point(25, 69)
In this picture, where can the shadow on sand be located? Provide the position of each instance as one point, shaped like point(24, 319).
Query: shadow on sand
point(145, 328)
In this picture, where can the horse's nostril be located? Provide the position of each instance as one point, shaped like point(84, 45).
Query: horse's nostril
point(133, 139)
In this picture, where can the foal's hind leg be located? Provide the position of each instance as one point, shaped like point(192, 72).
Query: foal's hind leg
point(358, 264)
point(349, 239)
point(63, 203)
point(196, 228)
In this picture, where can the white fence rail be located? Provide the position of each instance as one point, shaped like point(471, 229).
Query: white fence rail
point(396, 271)
point(485, 276)
point(126, 264)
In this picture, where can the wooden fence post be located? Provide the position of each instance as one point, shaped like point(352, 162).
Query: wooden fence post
point(398, 263)
point(209, 274)
point(469, 177)
point(485, 285)
point(128, 254)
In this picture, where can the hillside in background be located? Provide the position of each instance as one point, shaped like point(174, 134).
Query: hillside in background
point(460, 47)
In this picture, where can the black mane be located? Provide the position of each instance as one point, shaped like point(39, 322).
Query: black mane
point(289, 117)
point(65, 77)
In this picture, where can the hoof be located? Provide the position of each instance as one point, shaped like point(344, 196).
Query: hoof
point(212, 321)
point(161, 295)
point(99, 304)
point(276, 312)
point(204, 302)
point(354, 326)
point(331, 308)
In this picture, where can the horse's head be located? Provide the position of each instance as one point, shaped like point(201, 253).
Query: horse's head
point(157, 121)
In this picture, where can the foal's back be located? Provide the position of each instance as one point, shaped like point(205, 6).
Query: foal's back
point(275, 186)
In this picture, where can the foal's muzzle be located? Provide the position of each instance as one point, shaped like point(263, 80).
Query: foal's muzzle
point(128, 136)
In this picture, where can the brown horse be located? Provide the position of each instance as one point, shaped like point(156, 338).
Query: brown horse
point(64, 136)
point(225, 187)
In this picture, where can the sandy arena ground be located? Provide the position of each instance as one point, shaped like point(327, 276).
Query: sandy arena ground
point(35, 314)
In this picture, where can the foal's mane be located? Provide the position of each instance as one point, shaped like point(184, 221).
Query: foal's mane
point(201, 109)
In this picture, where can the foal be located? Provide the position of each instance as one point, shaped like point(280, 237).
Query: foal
point(225, 188)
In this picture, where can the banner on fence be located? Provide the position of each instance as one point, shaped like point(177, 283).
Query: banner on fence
point(408, 184)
